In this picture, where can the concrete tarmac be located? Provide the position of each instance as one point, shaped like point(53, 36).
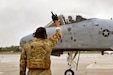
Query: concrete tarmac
point(9, 63)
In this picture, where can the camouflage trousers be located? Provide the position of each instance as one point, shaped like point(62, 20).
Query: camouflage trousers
point(39, 72)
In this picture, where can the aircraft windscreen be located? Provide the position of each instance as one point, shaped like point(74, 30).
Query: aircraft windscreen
point(61, 20)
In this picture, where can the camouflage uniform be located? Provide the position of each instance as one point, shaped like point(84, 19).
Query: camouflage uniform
point(26, 54)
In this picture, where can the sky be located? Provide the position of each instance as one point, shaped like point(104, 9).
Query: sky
point(19, 18)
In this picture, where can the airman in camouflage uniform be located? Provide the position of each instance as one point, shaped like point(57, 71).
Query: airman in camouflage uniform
point(36, 54)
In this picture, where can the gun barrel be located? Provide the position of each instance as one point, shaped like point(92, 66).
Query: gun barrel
point(52, 13)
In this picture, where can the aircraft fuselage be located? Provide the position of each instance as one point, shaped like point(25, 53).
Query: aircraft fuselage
point(91, 34)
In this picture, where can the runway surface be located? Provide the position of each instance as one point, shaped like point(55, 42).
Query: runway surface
point(9, 63)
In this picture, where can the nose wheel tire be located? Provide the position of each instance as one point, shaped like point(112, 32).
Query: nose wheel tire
point(69, 72)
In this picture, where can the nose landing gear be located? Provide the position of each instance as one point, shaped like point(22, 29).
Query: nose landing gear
point(71, 62)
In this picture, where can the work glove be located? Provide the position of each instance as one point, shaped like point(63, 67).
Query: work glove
point(54, 17)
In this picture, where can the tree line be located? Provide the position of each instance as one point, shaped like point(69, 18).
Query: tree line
point(10, 49)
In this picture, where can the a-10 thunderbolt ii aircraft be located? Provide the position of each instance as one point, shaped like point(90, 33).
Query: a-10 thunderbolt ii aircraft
point(80, 35)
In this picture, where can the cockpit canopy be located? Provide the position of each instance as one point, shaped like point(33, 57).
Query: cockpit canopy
point(64, 21)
